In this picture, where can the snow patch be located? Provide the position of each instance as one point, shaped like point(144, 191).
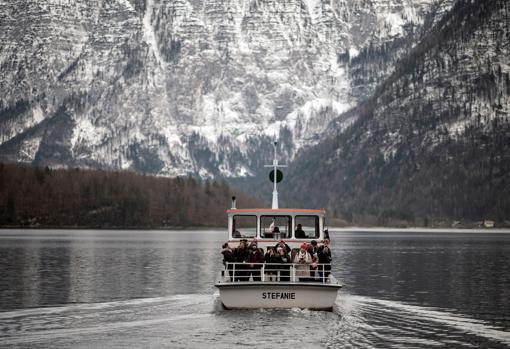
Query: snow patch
point(391, 144)
point(149, 34)
point(457, 128)
point(204, 174)
point(29, 148)
point(171, 134)
point(239, 171)
point(37, 114)
point(87, 133)
point(125, 164)
point(311, 108)
point(353, 52)
point(394, 23)
point(311, 6)
point(127, 4)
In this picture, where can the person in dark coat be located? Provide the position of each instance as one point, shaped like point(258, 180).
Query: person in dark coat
point(241, 253)
point(324, 256)
point(282, 257)
point(312, 249)
point(282, 243)
point(228, 257)
point(254, 260)
point(271, 270)
point(299, 233)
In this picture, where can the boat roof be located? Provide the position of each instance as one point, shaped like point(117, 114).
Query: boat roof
point(276, 211)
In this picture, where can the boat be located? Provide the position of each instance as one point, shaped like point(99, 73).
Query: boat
point(275, 285)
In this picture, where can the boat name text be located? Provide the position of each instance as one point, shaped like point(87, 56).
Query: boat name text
point(278, 295)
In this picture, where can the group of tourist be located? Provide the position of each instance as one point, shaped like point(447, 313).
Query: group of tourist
point(312, 262)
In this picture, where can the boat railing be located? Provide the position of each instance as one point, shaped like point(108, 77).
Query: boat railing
point(276, 272)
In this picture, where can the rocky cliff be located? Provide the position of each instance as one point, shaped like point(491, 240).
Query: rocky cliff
point(177, 87)
point(432, 143)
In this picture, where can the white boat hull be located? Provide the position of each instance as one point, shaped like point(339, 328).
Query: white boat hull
point(249, 295)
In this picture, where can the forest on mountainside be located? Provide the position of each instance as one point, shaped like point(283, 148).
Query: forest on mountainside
point(432, 145)
point(44, 197)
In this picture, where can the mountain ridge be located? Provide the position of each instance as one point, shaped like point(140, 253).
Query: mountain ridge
point(432, 143)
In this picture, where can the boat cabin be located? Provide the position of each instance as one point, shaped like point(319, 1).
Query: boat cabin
point(268, 226)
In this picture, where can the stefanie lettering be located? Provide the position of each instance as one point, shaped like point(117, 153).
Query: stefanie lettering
point(278, 295)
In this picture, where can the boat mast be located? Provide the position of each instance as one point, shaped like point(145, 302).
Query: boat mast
point(275, 176)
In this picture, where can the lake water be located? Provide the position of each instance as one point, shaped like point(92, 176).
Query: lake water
point(155, 289)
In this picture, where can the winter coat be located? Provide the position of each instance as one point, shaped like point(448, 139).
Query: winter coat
point(240, 255)
point(303, 261)
point(312, 250)
point(287, 247)
point(271, 259)
point(228, 256)
point(255, 256)
point(285, 259)
point(324, 255)
point(282, 259)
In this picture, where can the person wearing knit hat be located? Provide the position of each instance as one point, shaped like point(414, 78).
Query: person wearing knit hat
point(282, 244)
point(303, 261)
point(283, 257)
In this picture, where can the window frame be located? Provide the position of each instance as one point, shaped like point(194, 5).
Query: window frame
point(289, 224)
point(232, 230)
point(317, 227)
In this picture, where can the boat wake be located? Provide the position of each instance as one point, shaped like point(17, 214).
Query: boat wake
point(80, 321)
point(368, 322)
point(197, 320)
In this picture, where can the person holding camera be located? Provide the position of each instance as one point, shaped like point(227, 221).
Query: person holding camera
point(283, 245)
point(270, 258)
point(324, 256)
point(303, 261)
point(282, 257)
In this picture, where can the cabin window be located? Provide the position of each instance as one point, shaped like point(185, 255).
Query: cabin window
point(244, 226)
point(275, 227)
point(307, 227)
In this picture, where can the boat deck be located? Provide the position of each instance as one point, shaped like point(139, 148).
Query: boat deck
point(287, 290)
point(274, 274)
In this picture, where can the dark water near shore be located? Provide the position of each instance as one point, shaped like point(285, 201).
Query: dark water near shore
point(155, 289)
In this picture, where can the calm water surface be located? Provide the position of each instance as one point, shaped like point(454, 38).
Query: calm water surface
point(155, 289)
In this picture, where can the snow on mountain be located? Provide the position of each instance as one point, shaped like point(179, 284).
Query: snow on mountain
point(432, 143)
point(177, 87)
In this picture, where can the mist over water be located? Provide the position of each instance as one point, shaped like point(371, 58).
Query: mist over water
point(155, 289)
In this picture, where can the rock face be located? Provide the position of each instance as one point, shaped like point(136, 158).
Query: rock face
point(177, 87)
point(432, 143)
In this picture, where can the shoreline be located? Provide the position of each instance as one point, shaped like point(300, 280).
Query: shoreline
point(177, 228)
point(422, 230)
point(354, 229)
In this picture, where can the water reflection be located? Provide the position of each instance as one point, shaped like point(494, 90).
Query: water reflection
point(138, 289)
point(463, 271)
point(90, 266)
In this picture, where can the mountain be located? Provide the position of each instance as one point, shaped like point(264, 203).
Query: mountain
point(200, 87)
point(432, 143)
